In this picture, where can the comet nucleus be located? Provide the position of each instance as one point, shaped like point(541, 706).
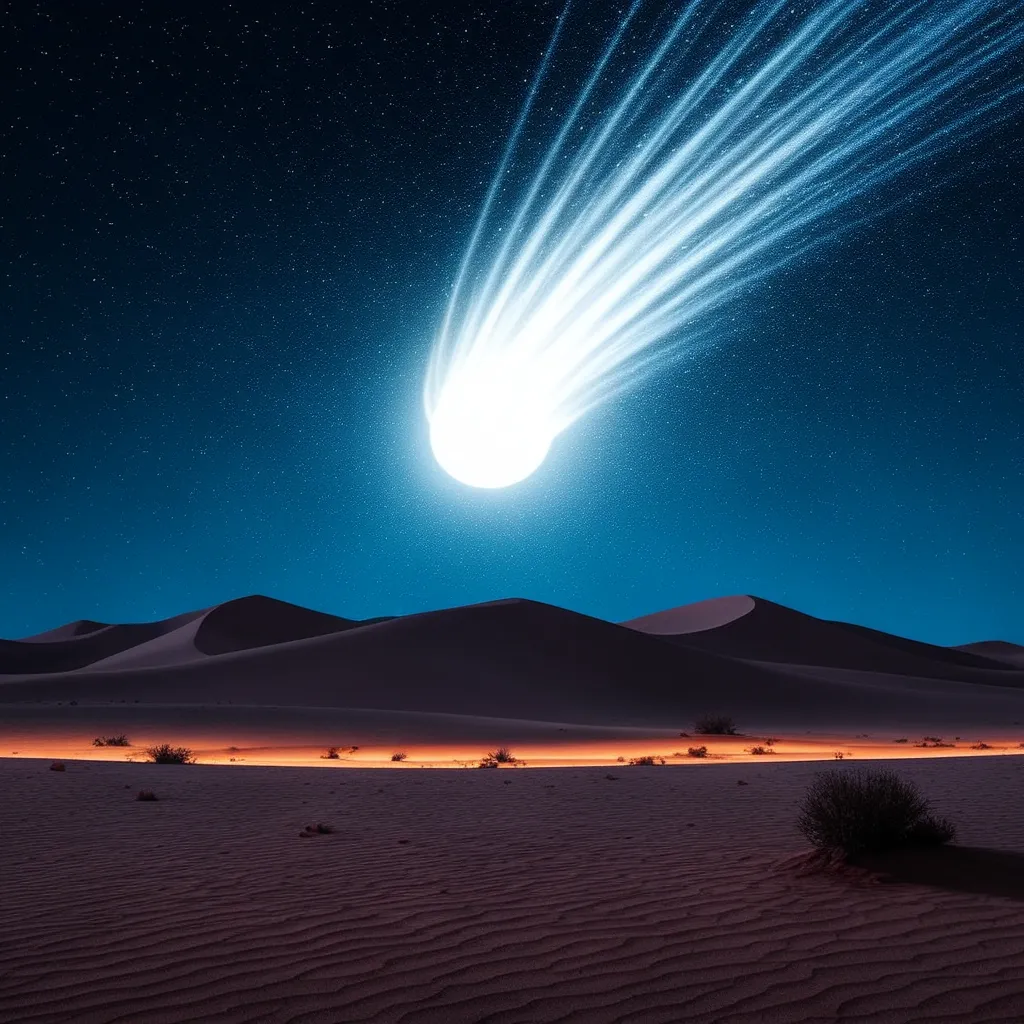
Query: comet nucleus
point(486, 432)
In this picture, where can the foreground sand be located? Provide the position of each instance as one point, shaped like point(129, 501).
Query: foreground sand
point(517, 895)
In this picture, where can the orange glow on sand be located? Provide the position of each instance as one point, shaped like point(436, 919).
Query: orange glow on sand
point(281, 751)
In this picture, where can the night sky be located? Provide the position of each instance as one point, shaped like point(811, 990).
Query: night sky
point(229, 231)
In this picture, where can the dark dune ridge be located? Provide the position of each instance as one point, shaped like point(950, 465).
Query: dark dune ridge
point(773, 633)
point(997, 650)
point(765, 664)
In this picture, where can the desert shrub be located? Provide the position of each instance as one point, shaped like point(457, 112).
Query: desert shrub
point(760, 750)
point(855, 812)
point(399, 755)
point(933, 741)
point(500, 756)
point(715, 725)
point(902, 739)
point(111, 741)
point(980, 746)
point(331, 755)
point(646, 759)
point(164, 753)
point(146, 795)
point(838, 755)
point(770, 741)
point(621, 760)
point(697, 751)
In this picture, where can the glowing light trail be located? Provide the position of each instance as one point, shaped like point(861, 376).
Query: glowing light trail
point(694, 180)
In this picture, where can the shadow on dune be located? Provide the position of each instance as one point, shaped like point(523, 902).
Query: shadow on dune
point(953, 868)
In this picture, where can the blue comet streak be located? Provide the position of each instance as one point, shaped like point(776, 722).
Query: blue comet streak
point(695, 179)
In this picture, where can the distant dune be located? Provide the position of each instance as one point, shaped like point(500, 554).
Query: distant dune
point(766, 665)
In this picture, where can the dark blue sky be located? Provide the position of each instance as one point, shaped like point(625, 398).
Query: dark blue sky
point(229, 235)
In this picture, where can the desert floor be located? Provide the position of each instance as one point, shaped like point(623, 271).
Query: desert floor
point(596, 894)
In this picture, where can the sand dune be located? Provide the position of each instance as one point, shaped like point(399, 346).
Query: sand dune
point(772, 633)
point(521, 660)
point(68, 653)
point(694, 618)
point(998, 650)
point(519, 897)
point(68, 631)
point(259, 621)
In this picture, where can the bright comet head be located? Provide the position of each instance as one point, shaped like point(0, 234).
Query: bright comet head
point(488, 432)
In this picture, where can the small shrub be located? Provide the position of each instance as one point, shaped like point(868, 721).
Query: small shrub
point(760, 750)
point(980, 746)
point(697, 751)
point(646, 759)
point(331, 755)
point(715, 725)
point(111, 741)
point(146, 795)
point(867, 812)
point(622, 760)
point(770, 741)
point(838, 755)
point(902, 739)
point(399, 755)
point(166, 754)
point(933, 741)
point(502, 755)
point(58, 766)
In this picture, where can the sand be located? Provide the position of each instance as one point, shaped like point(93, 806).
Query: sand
point(579, 888)
point(515, 895)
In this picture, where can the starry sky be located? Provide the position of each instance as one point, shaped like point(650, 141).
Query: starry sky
point(229, 231)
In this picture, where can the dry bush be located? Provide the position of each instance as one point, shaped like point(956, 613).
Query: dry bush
point(164, 753)
point(856, 812)
point(111, 741)
point(981, 746)
point(933, 741)
point(697, 751)
point(759, 750)
point(715, 725)
point(647, 759)
point(331, 755)
point(399, 755)
point(502, 755)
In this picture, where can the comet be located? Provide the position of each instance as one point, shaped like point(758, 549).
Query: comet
point(676, 181)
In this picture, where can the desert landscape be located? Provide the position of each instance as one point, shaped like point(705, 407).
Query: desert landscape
point(635, 857)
